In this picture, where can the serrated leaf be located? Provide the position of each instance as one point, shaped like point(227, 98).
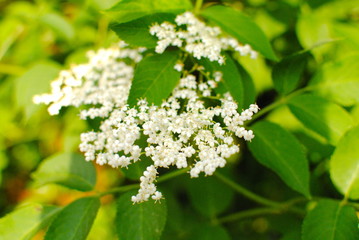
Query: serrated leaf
point(143, 221)
point(344, 164)
point(137, 32)
point(279, 150)
point(321, 116)
point(127, 10)
point(67, 169)
point(218, 196)
point(74, 222)
point(338, 81)
point(34, 81)
point(286, 74)
point(24, 222)
point(155, 78)
point(232, 79)
point(330, 220)
point(241, 27)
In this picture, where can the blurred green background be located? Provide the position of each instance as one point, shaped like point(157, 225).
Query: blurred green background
point(39, 38)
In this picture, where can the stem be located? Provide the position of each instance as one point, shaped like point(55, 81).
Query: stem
point(198, 6)
point(137, 185)
point(247, 193)
point(248, 213)
point(278, 103)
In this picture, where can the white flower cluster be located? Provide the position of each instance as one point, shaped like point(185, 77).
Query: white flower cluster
point(200, 40)
point(184, 132)
point(177, 134)
point(104, 81)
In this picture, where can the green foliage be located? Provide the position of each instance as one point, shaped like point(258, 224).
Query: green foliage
point(322, 116)
point(24, 222)
point(344, 164)
point(67, 169)
point(330, 220)
point(277, 149)
point(75, 220)
point(140, 221)
point(155, 78)
point(306, 131)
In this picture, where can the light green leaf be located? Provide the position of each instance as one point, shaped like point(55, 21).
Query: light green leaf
point(35, 81)
point(280, 151)
point(339, 81)
point(321, 116)
point(127, 10)
point(344, 164)
point(142, 221)
point(241, 27)
point(137, 32)
point(232, 79)
point(218, 196)
point(67, 169)
point(286, 74)
point(24, 222)
point(155, 78)
point(59, 25)
point(74, 222)
point(330, 220)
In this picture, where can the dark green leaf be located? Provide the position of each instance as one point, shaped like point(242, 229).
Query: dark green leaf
point(241, 27)
point(24, 222)
point(339, 81)
point(142, 221)
point(137, 32)
point(286, 74)
point(155, 78)
point(127, 10)
point(208, 232)
point(67, 169)
point(232, 79)
point(249, 90)
point(344, 164)
point(74, 222)
point(280, 151)
point(209, 195)
point(324, 117)
point(35, 81)
point(330, 220)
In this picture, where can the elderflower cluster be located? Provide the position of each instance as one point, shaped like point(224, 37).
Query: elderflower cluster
point(185, 131)
point(104, 81)
point(200, 40)
point(177, 134)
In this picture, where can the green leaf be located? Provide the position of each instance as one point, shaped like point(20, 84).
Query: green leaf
point(338, 81)
point(330, 220)
point(137, 32)
point(209, 232)
point(67, 169)
point(34, 81)
point(59, 24)
point(127, 10)
point(26, 221)
point(241, 27)
point(279, 150)
point(323, 117)
point(143, 221)
point(344, 164)
point(155, 78)
point(286, 74)
point(74, 222)
point(218, 196)
point(232, 79)
point(249, 90)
